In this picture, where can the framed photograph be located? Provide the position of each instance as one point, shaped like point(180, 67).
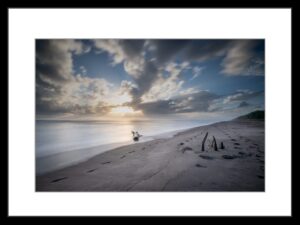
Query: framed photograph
point(121, 112)
point(150, 115)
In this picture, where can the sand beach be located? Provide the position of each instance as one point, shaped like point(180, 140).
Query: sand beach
point(179, 163)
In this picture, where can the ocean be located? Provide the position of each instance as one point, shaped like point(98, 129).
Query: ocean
point(63, 143)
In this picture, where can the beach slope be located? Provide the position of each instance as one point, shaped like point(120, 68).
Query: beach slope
point(180, 163)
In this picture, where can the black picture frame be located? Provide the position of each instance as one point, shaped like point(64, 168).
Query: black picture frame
point(135, 4)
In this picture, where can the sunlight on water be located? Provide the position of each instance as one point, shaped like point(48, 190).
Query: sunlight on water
point(55, 137)
point(61, 143)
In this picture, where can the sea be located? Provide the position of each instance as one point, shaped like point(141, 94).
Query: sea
point(63, 143)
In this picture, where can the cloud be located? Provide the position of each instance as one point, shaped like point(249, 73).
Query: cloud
point(189, 91)
point(239, 99)
point(196, 71)
point(82, 95)
point(54, 59)
point(165, 50)
point(238, 56)
point(54, 70)
point(83, 70)
point(113, 48)
point(168, 86)
point(156, 68)
point(126, 87)
point(243, 104)
point(206, 49)
point(147, 62)
point(163, 89)
point(120, 50)
point(240, 59)
point(131, 54)
point(256, 68)
point(195, 102)
point(135, 67)
point(58, 89)
point(242, 95)
point(150, 84)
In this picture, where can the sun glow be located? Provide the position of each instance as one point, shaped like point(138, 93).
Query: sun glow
point(125, 111)
point(122, 109)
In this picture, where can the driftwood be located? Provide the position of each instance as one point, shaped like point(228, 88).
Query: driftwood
point(215, 144)
point(136, 136)
point(203, 142)
point(222, 146)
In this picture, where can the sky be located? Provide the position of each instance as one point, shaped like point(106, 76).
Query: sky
point(127, 79)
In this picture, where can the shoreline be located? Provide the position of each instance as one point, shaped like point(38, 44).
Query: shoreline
point(76, 156)
point(172, 164)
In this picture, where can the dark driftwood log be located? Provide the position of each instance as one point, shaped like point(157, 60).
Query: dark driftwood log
point(222, 146)
point(203, 142)
point(136, 138)
point(215, 144)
